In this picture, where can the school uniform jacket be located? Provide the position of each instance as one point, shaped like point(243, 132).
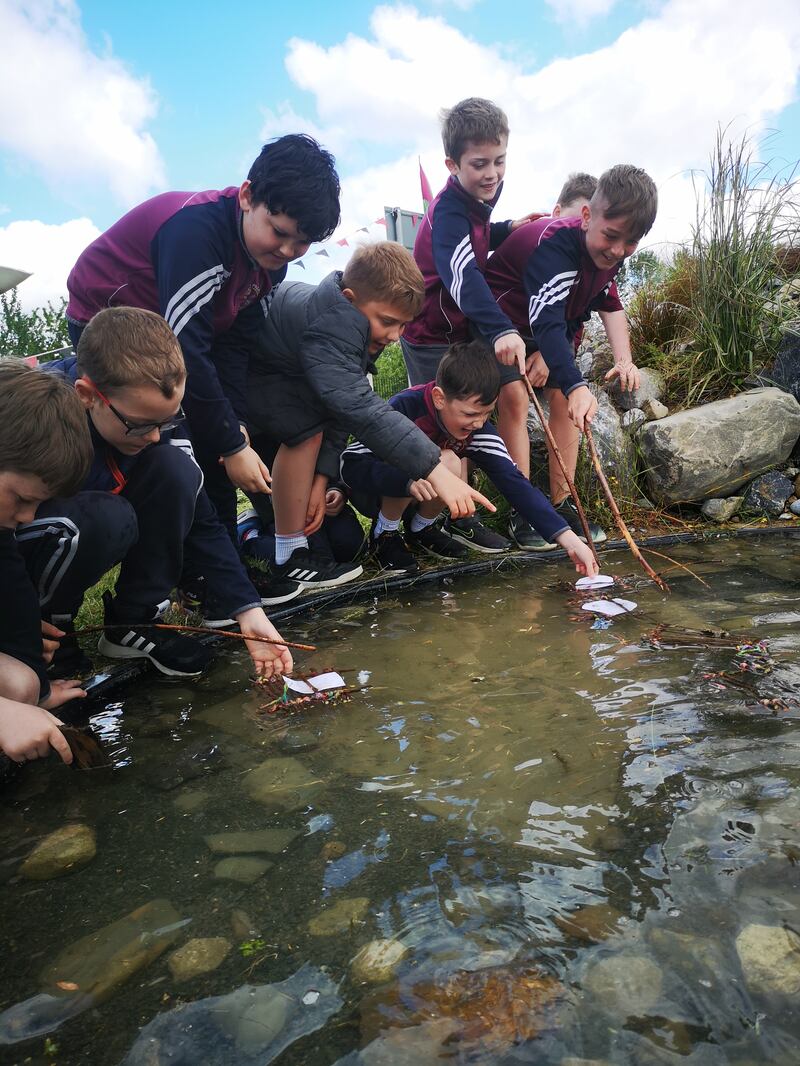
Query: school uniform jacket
point(181, 254)
point(484, 447)
point(545, 281)
point(451, 249)
point(20, 615)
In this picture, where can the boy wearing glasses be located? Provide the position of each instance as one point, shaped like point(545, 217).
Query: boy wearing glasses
point(130, 376)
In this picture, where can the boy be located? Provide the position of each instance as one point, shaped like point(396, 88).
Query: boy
point(44, 450)
point(549, 277)
point(308, 391)
point(451, 249)
point(576, 192)
point(207, 262)
point(130, 377)
point(453, 412)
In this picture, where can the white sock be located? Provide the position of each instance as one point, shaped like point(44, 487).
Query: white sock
point(418, 523)
point(386, 525)
point(285, 544)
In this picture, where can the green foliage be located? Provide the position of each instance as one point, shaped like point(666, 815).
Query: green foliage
point(24, 333)
point(392, 376)
point(709, 322)
point(252, 947)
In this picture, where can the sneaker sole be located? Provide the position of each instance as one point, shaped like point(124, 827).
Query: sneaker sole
point(273, 601)
point(539, 548)
point(437, 555)
point(460, 539)
point(115, 651)
point(331, 583)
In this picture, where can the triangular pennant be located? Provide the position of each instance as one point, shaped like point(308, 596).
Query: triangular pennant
point(343, 243)
point(323, 251)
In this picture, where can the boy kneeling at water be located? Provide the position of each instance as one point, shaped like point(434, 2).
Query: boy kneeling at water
point(453, 412)
point(44, 450)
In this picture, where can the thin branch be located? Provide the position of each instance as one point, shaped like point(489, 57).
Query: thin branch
point(197, 629)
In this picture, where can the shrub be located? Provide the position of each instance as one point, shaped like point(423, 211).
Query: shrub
point(392, 376)
point(24, 333)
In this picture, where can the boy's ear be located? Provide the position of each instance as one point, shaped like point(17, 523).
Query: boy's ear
point(245, 196)
point(349, 295)
point(451, 165)
point(438, 397)
point(586, 215)
point(86, 393)
point(556, 212)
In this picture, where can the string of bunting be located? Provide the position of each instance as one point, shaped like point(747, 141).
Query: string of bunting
point(344, 242)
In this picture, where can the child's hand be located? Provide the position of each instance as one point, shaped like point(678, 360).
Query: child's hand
point(510, 349)
point(335, 500)
point(455, 493)
point(581, 407)
point(422, 490)
point(581, 554)
point(247, 472)
point(268, 659)
point(50, 641)
point(628, 374)
point(315, 514)
point(62, 692)
point(526, 218)
point(537, 370)
point(28, 732)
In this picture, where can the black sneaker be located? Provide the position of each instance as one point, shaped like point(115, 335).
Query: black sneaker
point(434, 541)
point(271, 588)
point(569, 512)
point(171, 653)
point(312, 571)
point(391, 553)
point(525, 536)
point(472, 533)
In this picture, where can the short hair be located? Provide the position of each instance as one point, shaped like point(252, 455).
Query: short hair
point(386, 271)
point(578, 186)
point(293, 175)
point(469, 369)
point(43, 428)
point(625, 190)
point(473, 119)
point(128, 346)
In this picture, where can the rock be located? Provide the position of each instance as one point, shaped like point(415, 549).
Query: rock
point(190, 802)
point(770, 958)
point(651, 387)
point(633, 418)
point(333, 849)
point(200, 955)
point(295, 741)
point(242, 924)
point(797, 486)
point(194, 762)
point(614, 447)
point(254, 1024)
point(721, 510)
point(283, 782)
point(90, 970)
point(767, 494)
point(62, 852)
point(795, 507)
point(340, 918)
point(271, 841)
point(377, 961)
point(654, 409)
point(624, 984)
point(591, 924)
point(710, 451)
point(785, 371)
point(241, 868)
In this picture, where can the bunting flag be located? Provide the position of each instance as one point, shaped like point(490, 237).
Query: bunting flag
point(300, 263)
point(379, 222)
point(343, 243)
point(323, 251)
point(363, 229)
point(425, 185)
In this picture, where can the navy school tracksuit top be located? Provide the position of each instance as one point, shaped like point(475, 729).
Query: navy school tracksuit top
point(544, 280)
point(182, 255)
point(484, 447)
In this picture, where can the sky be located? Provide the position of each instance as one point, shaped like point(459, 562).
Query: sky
point(103, 105)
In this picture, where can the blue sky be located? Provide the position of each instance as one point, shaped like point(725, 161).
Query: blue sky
point(103, 105)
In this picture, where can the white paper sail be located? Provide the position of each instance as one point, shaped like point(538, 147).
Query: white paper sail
point(609, 608)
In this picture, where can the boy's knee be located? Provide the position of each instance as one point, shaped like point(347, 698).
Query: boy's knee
point(513, 400)
point(18, 681)
point(171, 469)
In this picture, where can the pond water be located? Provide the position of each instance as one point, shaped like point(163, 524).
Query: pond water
point(577, 846)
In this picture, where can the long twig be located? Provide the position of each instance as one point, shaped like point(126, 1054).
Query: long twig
point(560, 459)
point(680, 566)
point(197, 629)
point(620, 521)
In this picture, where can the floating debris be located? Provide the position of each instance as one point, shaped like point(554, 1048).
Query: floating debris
point(289, 693)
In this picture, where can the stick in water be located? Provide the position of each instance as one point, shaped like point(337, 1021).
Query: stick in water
point(570, 484)
point(620, 522)
point(200, 629)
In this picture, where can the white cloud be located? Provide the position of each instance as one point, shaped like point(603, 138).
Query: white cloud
point(653, 97)
point(47, 252)
point(79, 118)
point(580, 11)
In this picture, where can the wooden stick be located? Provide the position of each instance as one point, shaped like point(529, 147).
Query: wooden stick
point(678, 565)
point(196, 629)
point(570, 484)
point(620, 522)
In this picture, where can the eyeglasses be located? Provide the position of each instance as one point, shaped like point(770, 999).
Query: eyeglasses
point(142, 429)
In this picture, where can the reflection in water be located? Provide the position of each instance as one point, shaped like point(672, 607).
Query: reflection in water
point(543, 840)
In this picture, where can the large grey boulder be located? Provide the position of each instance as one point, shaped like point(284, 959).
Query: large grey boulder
point(651, 387)
point(714, 449)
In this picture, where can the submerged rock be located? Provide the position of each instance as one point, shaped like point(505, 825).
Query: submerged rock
point(61, 852)
point(241, 868)
point(201, 955)
point(242, 924)
point(340, 917)
point(591, 924)
point(377, 961)
point(271, 841)
point(770, 958)
point(624, 984)
point(90, 970)
point(194, 762)
point(248, 1027)
point(283, 782)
